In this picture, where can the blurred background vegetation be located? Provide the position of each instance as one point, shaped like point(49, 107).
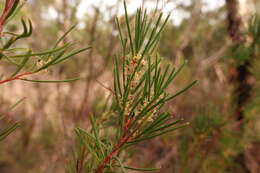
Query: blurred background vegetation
point(221, 46)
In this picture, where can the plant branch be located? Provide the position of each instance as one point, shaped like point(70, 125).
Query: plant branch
point(16, 77)
point(8, 7)
point(108, 158)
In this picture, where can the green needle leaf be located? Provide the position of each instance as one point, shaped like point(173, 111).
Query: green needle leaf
point(25, 60)
point(51, 81)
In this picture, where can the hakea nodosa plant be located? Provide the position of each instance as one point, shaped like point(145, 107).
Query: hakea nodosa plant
point(140, 84)
point(26, 61)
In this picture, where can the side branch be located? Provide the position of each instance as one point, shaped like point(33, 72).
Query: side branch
point(16, 77)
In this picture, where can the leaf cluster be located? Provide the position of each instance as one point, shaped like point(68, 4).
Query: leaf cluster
point(25, 60)
point(247, 49)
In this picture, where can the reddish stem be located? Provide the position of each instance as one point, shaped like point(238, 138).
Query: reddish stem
point(16, 77)
point(8, 6)
point(121, 142)
point(101, 167)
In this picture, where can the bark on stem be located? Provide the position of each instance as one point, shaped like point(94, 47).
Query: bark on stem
point(101, 167)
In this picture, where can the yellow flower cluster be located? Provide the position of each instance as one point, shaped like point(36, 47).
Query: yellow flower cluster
point(41, 63)
point(130, 68)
